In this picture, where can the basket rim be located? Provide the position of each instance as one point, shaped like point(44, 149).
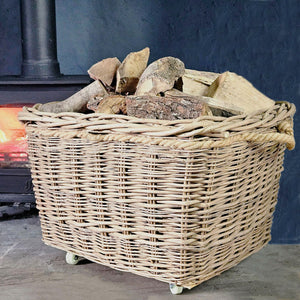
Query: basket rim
point(274, 124)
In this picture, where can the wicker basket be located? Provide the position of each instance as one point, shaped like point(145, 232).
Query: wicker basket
point(178, 201)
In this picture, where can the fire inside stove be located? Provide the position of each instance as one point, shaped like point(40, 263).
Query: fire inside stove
point(13, 144)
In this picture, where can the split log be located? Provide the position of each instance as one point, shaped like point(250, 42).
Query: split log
point(160, 76)
point(196, 83)
point(105, 70)
point(130, 70)
point(77, 102)
point(217, 107)
point(165, 108)
point(236, 91)
point(201, 76)
point(221, 108)
point(193, 87)
point(112, 104)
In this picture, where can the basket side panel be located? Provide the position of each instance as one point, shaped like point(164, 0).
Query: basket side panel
point(124, 205)
point(177, 216)
point(235, 208)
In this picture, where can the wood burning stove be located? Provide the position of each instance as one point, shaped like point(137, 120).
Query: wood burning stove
point(15, 180)
point(40, 81)
point(13, 146)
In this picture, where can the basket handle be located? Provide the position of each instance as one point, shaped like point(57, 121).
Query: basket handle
point(280, 138)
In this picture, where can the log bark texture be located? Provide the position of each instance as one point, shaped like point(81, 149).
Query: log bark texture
point(165, 108)
point(216, 107)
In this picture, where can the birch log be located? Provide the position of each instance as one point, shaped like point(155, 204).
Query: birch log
point(77, 102)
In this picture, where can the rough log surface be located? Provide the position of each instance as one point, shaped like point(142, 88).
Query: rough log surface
point(112, 104)
point(216, 107)
point(165, 108)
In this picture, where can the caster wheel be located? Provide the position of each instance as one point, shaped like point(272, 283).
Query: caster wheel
point(72, 259)
point(175, 289)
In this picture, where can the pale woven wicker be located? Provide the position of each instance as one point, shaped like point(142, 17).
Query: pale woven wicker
point(178, 201)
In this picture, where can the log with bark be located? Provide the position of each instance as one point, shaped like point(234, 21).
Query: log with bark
point(130, 70)
point(77, 102)
point(217, 107)
point(111, 104)
point(165, 108)
point(160, 76)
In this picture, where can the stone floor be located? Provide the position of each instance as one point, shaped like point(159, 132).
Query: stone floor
point(30, 270)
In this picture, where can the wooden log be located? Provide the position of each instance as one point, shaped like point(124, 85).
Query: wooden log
point(193, 87)
point(111, 104)
point(77, 102)
point(196, 83)
point(160, 76)
point(105, 70)
point(165, 108)
point(201, 76)
point(130, 70)
point(221, 108)
point(236, 91)
point(217, 107)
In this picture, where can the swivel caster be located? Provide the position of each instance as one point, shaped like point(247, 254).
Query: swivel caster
point(175, 289)
point(72, 259)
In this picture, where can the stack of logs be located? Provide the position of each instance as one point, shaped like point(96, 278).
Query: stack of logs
point(162, 90)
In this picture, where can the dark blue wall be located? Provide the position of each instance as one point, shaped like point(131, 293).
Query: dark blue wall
point(256, 39)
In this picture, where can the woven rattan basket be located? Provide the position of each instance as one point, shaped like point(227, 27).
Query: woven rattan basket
point(178, 201)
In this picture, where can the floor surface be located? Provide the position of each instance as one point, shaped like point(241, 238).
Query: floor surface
point(30, 270)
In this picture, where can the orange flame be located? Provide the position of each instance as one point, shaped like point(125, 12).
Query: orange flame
point(12, 132)
point(3, 137)
point(10, 127)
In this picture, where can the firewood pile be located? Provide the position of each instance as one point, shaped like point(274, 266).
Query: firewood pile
point(164, 89)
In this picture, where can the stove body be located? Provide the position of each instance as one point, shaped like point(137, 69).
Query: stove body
point(39, 82)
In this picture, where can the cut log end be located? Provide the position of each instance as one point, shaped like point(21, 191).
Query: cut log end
point(235, 90)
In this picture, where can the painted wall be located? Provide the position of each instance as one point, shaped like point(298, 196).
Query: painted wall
point(256, 39)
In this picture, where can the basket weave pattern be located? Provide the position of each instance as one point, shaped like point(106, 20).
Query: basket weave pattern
point(158, 198)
